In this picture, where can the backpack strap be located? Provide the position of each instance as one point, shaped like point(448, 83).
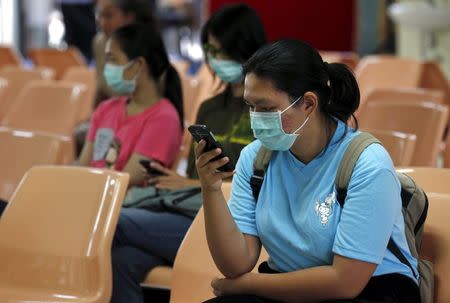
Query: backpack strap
point(348, 163)
point(395, 250)
point(260, 165)
point(344, 174)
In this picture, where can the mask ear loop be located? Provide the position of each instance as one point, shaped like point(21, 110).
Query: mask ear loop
point(298, 99)
point(301, 126)
point(130, 64)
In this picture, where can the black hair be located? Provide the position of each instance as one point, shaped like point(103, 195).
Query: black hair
point(238, 29)
point(141, 9)
point(139, 40)
point(295, 67)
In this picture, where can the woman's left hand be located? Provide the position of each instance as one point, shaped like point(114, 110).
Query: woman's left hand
point(170, 179)
point(235, 286)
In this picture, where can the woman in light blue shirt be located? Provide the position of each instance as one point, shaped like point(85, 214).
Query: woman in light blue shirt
point(319, 252)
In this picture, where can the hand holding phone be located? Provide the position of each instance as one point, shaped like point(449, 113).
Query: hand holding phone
point(201, 132)
point(150, 170)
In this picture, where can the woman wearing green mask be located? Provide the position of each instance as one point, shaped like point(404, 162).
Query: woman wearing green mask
point(146, 121)
point(145, 239)
point(227, 45)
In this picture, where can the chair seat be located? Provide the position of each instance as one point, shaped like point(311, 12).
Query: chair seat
point(159, 277)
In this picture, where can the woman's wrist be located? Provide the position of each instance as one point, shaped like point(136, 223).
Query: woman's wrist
point(194, 182)
point(206, 189)
point(248, 284)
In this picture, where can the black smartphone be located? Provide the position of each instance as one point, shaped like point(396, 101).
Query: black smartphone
point(202, 132)
point(150, 170)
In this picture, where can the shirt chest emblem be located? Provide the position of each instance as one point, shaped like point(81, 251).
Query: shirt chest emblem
point(325, 209)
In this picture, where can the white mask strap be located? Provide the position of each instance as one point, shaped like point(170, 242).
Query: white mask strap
point(301, 126)
point(291, 104)
point(130, 63)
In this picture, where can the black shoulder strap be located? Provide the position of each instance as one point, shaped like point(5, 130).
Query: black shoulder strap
point(348, 163)
point(395, 250)
point(260, 165)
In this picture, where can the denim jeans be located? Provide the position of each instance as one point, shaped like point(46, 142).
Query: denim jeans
point(143, 240)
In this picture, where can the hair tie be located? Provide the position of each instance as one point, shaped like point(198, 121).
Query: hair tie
point(326, 66)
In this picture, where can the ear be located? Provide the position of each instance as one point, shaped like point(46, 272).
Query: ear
point(138, 65)
point(310, 102)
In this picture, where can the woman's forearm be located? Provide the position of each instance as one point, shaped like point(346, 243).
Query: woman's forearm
point(228, 246)
point(310, 285)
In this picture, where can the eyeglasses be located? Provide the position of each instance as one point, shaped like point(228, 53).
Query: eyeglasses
point(213, 51)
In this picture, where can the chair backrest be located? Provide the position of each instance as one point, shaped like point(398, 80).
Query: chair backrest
point(51, 107)
point(21, 150)
point(431, 179)
point(426, 120)
point(375, 72)
point(350, 59)
point(447, 152)
point(194, 267)
point(64, 247)
point(4, 84)
point(86, 76)
point(399, 145)
point(36, 73)
point(59, 60)
point(8, 57)
point(18, 78)
point(436, 244)
point(403, 95)
point(434, 78)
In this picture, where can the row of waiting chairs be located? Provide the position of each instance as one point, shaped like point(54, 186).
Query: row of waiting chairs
point(373, 72)
point(16, 80)
point(56, 59)
point(62, 254)
point(387, 114)
point(16, 158)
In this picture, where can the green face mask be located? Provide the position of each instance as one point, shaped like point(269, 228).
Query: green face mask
point(113, 74)
point(228, 70)
point(268, 129)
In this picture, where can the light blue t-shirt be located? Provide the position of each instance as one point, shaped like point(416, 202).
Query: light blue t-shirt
point(301, 224)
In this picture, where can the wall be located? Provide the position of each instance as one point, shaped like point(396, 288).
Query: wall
point(327, 25)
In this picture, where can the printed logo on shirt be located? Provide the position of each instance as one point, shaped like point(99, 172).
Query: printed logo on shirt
point(324, 210)
point(103, 140)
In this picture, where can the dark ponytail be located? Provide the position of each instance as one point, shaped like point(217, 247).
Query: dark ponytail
point(140, 40)
point(344, 96)
point(295, 67)
point(172, 91)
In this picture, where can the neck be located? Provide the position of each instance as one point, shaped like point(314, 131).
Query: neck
point(237, 89)
point(146, 94)
point(313, 141)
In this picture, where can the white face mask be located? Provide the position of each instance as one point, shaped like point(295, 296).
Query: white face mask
point(268, 128)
